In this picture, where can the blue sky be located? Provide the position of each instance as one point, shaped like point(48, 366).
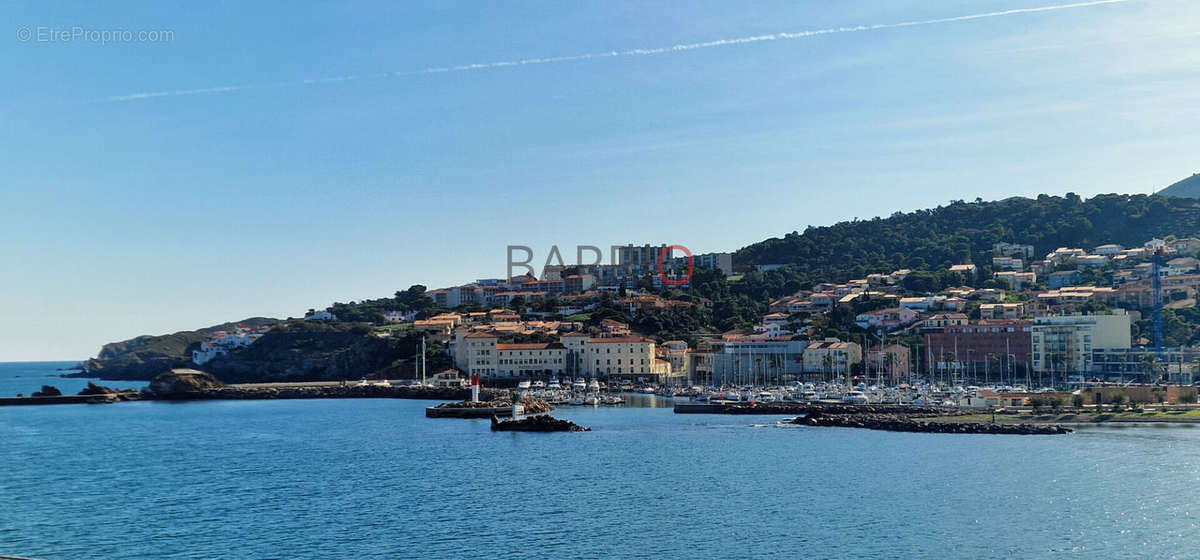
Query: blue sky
point(164, 213)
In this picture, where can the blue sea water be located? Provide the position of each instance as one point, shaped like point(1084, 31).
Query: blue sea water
point(376, 479)
point(23, 378)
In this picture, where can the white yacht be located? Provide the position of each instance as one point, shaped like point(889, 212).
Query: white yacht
point(524, 385)
point(579, 385)
point(765, 397)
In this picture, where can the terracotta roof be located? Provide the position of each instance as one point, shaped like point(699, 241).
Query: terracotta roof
point(483, 335)
point(531, 346)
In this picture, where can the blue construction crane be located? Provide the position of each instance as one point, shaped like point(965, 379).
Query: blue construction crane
point(1158, 304)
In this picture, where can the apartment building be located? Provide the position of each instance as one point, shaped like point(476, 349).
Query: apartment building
point(831, 356)
point(1064, 343)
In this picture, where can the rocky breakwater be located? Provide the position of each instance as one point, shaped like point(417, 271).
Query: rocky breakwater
point(896, 422)
point(92, 394)
point(483, 409)
point(190, 384)
point(847, 409)
point(538, 423)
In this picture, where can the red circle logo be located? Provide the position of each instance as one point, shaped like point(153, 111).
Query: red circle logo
point(663, 255)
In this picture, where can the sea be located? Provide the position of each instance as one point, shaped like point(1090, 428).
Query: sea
point(374, 478)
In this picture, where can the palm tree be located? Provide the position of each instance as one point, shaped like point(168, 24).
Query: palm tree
point(1148, 366)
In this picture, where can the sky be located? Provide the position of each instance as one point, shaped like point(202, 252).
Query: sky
point(229, 160)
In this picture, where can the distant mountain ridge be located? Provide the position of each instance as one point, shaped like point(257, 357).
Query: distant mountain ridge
point(1187, 188)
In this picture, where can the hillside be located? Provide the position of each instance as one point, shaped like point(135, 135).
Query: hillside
point(148, 355)
point(965, 232)
point(1189, 187)
point(309, 351)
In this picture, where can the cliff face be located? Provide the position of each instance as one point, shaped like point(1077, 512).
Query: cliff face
point(309, 351)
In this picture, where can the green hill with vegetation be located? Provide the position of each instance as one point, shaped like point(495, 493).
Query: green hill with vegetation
point(145, 356)
point(965, 232)
point(1189, 188)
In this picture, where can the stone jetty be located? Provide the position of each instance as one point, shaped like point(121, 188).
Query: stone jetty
point(190, 384)
point(912, 423)
point(538, 423)
point(486, 409)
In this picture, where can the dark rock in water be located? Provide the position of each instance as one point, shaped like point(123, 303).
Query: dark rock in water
point(183, 383)
point(93, 389)
point(48, 391)
point(539, 423)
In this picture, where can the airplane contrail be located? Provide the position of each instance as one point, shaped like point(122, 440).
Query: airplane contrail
point(613, 54)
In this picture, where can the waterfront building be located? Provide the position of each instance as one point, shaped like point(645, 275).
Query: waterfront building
point(831, 357)
point(747, 359)
point(1143, 364)
point(530, 360)
point(677, 354)
point(1065, 343)
point(979, 348)
point(481, 352)
point(623, 357)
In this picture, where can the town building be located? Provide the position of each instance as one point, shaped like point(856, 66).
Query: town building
point(740, 360)
point(886, 319)
point(1008, 263)
point(1064, 343)
point(220, 343)
point(831, 357)
point(890, 362)
point(629, 357)
point(1007, 311)
point(1018, 280)
point(1013, 250)
point(978, 348)
point(1062, 279)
